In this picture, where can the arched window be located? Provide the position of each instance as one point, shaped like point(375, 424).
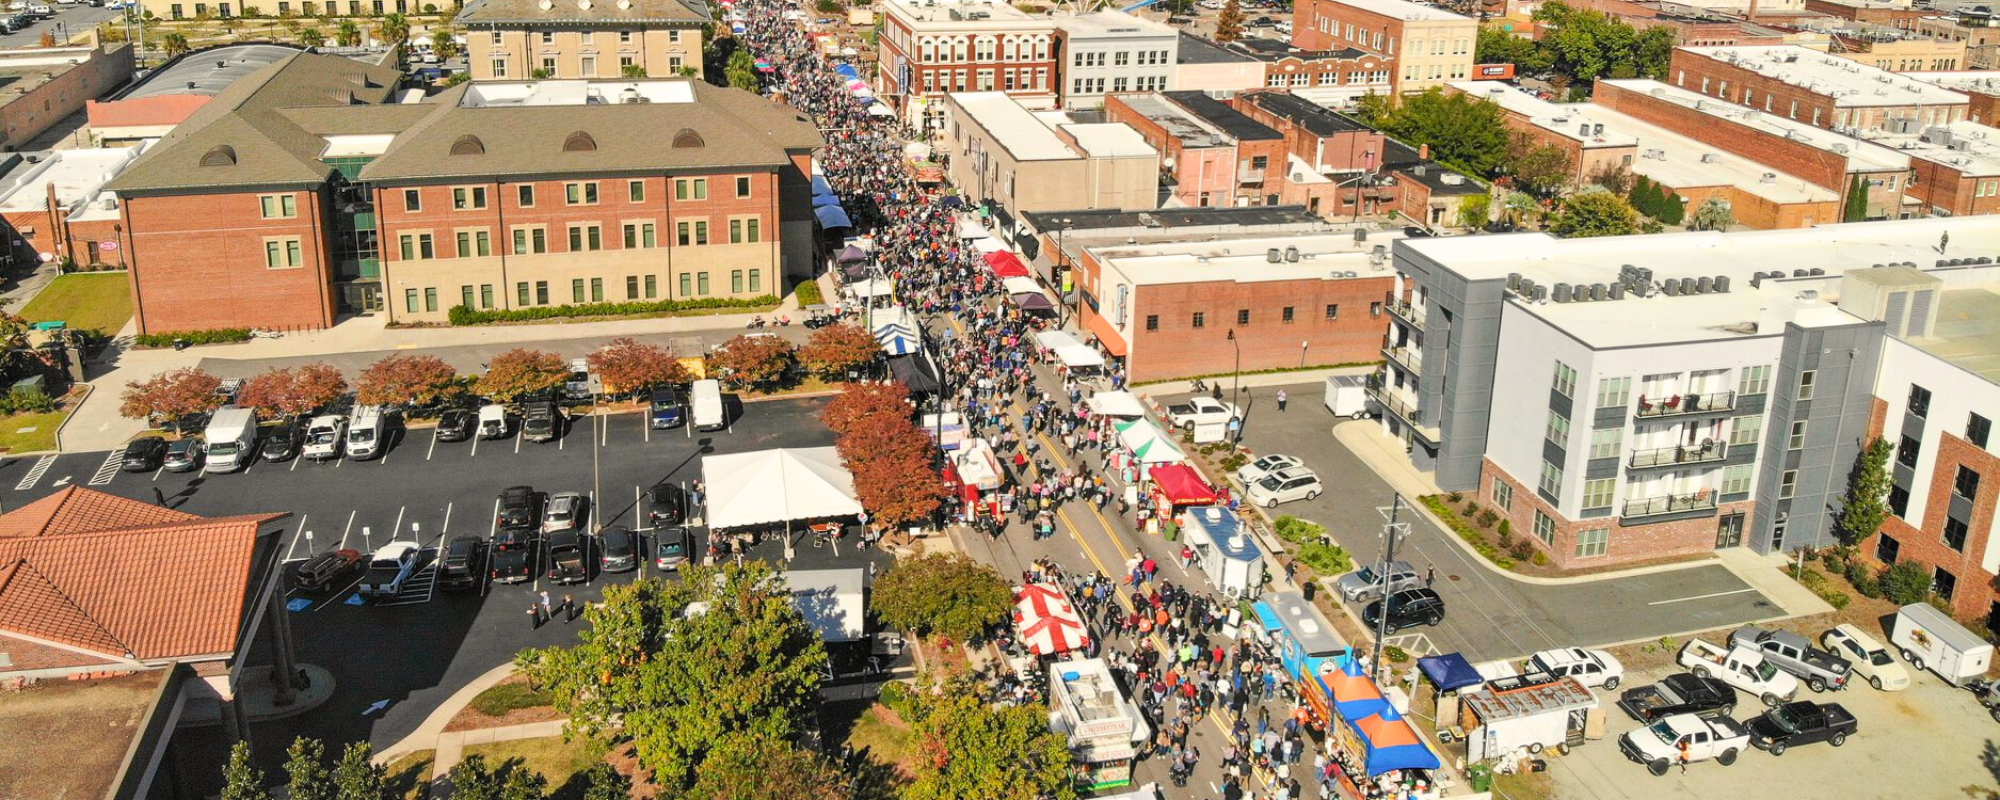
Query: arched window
point(221, 155)
point(579, 142)
point(468, 145)
point(688, 138)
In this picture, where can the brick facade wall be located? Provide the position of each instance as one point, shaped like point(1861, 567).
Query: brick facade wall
point(1728, 82)
point(82, 241)
point(1627, 544)
point(1820, 167)
point(1208, 170)
point(1983, 107)
point(1943, 187)
point(1975, 590)
point(1892, 17)
point(27, 115)
point(1345, 151)
point(1176, 348)
point(214, 276)
point(1036, 79)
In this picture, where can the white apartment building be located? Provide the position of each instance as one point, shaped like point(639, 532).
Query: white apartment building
point(1112, 52)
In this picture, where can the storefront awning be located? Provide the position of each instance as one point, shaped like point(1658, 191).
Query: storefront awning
point(1182, 485)
point(1113, 341)
point(824, 200)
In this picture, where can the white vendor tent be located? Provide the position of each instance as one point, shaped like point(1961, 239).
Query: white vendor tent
point(969, 228)
point(873, 287)
point(1117, 404)
point(988, 245)
point(1067, 348)
point(831, 600)
point(1022, 286)
point(772, 486)
point(1148, 443)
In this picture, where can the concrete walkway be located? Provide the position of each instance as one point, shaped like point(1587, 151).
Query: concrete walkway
point(428, 735)
point(451, 748)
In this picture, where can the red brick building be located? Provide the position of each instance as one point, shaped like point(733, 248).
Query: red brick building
point(1826, 91)
point(1429, 45)
point(933, 47)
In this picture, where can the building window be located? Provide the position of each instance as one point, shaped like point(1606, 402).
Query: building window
point(1613, 392)
point(1887, 549)
point(410, 300)
point(417, 246)
point(1920, 401)
point(1565, 380)
point(736, 281)
point(687, 284)
point(1754, 380)
point(1199, 319)
point(1787, 484)
point(1943, 583)
point(1598, 493)
point(526, 192)
point(638, 235)
point(1285, 316)
point(597, 290)
point(485, 295)
point(1332, 311)
point(691, 189)
point(1375, 309)
point(631, 287)
point(1976, 430)
point(1966, 483)
point(1798, 439)
point(702, 280)
point(283, 253)
point(1545, 528)
point(430, 298)
point(743, 186)
point(465, 198)
point(1552, 477)
point(413, 200)
point(530, 240)
point(1152, 322)
point(1593, 543)
point(742, 231)
point(1808, 381)
point(1606, 442)
point(279, 206)
point(1899, 500)
point(585, 237)
point(576, 290)
point(521, 294)
point(756, 281)
point(1746, 430)
point(1242, 316)
point(652, 287)
point(1558, 429)
point(1736, 479)
point(1503, 494)
point(1954, 534)
point(581, 193)
point(636, 191)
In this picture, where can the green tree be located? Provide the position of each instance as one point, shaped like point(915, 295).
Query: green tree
point(521, 372)
point(1655, 48)
point(312, 37)
point(1865, 506)
point(1462, 131)
point(755, 766)
point(472, 779)
point(1904, 582)
point(1714, 215)
point(947, 595)
point(742, 71)
point(306, 769)
point(603, 782)
point(1594, 212)
point(1644, 196)
point(1475, 211)
point(394, 29)
point(1520, 206)
point(174, 44)
point(1857, 201)
point(347, 34)
point(1542, 170)
point(632, 71)
point(443, 43)
point(358, 776)
point(1497, 46)
point(966, 748)
point(521, 783)
point(1673, 208)
point(241, 779)
point(676, 681)
point(1615, 178)
point(1229, 23)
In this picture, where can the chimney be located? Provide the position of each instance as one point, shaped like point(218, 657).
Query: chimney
point(1423, 152)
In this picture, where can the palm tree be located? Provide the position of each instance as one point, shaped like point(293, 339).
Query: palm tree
point(312, 37)
point(348, 34)
point(174, 44)
point(394, 29)
point(443, 43)
point(1520, 205)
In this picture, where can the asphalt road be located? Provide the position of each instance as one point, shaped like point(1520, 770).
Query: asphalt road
point(69, 21)
point(1488, 616)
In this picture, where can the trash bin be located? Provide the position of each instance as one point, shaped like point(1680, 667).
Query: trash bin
point(1310, 590)
point(1172, 530)
point(1481, 777)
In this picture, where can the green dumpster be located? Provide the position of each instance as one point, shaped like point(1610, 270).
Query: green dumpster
point(1481, 777)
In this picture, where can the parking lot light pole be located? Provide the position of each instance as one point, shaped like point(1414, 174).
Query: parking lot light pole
point(1390, 533)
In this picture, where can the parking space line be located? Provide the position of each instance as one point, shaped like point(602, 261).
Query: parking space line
point(298, 534)
point(35, 472)
point(1702, 596)
point(109, 469)
point(475, 442)
point(604, 433)
point(397, 529)
point(493, 530)
point(434, 445)
point(447, 521)
point(295, 461)
point(346, 530)
point(517, 442)
point(344, 590)
point(646, 424)
point(161, 470)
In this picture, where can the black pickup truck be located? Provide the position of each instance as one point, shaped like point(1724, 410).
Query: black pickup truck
point(1803, 722)
point(566, 563)
point(1679, 694)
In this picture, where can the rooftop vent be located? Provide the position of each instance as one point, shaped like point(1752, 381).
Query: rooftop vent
point(1274, 255)
point(688, 138)
point(1292, 256)
point(221, 155)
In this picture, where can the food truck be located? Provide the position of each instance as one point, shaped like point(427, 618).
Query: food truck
point(1105, 729)
point(1224, 551)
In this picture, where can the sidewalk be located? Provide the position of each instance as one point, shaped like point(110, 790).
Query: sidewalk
point(451, 748)
point(428, 735)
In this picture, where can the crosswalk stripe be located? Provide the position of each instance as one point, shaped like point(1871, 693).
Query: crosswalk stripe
point(34, 475)
point(109, 469)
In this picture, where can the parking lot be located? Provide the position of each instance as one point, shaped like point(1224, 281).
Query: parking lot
point(413, 650)
point(1488, 616)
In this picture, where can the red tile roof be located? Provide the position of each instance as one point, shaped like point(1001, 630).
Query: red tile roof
point(87, 570)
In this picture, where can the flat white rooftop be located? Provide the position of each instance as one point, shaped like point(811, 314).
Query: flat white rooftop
point(1109, 140)
point(357, 145)
point(574, 93)
point(1322, 254)
point(1968, 147)
point(1660, 319)
point(1026, 136)
point(1850, 83)
point(1861, 154)
point(1662, 155)
point(959, 13)
point(1113, 24)
point(1402, 9)
point(1983, 81)
point(77, 176)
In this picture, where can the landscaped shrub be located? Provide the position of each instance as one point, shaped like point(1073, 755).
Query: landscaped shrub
point(1487, 518)
point(1395, 654)
point(1522, 549)
point(1541, 559)
point(464, 315)
point(1863, 579)
point(1506, 529)
point(1905, 583)
point(27, 401)
point(1326, 559)
point(214, 336)
point(1298, 531)
point(808, 292)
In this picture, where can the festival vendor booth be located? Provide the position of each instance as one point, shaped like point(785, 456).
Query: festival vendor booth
point(833, 601)
point(949, 431)
point(977, 473)
point(878, 292)
point(1121, 404)
point(1144, 442)
point(832, 218)
point(1007, 265)
point(1303, 639)
point(1377, 753)
point(916, 371)
point(1449, 675)
point(1510, 724)
point(1079, 357)
point(1047, 621)
point(1223, 550)
point(1105, 729)
point(772, 489)
point(897, 337)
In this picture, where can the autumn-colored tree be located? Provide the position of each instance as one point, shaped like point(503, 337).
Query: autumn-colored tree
point(171, 395)
point(894, 474)
point(626, 366)
point(521, 372)
point(887, 435)
point(836, 349)
point(857, 400)
point(293, 391)
point(754, 360)
point(408, 379)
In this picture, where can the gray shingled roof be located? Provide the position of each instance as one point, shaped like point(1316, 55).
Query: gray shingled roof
point(588, 13)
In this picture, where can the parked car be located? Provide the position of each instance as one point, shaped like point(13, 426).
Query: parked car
point(540, 422)
point(458, 568)
point(1284, 486)
point(520, 509)
point(390, 568)
point(566, 511)
point(577, 387)
point(184, 455)
point(1367, 584)
point(666, 504)
point(1200, 410)
point(566, 554)
point(672, 547)
point(324, 435)
point(513, 557)
point(1679, 693)
point(668, 409)
point(617, 549)
point(492, 422)
point(1592, 668)
point(455, 425)
point(1870, 659)
point(283, 442)
point(328, 569)
point(1795, 654)
point(1741, 667)
point(1803, 722)
point(1659, 745)
point(1251, 472)
point(1407, 609)
point(144, 454)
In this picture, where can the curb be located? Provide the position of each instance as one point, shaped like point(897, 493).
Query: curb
point(426, 734)
point(88, 389)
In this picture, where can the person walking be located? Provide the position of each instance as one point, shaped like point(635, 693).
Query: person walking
point(534, 617)
point(1281, 400)
point(548, 612)
point(1430, 575)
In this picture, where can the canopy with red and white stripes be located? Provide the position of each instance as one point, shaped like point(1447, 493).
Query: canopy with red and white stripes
point(1047, 621)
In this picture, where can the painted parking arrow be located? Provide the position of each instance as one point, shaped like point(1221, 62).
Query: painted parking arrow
point(378, 706)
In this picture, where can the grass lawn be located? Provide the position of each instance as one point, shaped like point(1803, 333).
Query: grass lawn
point(28, 433)
point(99, 302)
point(883, 742)
point(410, 776)
point(560, 762)
point(506, 697)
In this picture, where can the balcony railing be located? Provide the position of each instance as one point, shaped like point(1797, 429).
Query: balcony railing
point(1412, 359)
point(1669, 504)
point(1249, 175)
point(1393, 404)
point(1676, 405)
point(1670, 456)
point(1403, 311)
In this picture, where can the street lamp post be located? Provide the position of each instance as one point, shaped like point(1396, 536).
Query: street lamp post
point(1236, 379)
point(1062, 262)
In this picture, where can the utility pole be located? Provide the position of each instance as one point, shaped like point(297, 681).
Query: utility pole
point(1391, 532)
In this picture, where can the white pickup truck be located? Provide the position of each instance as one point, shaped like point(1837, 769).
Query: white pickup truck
point(1199, 410)
point(1742, 668)
point(1658, 746)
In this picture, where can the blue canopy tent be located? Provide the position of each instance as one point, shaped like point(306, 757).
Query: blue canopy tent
point(832, 217)
point(897, 340)
point(820, 185)
point(847, 71)
point(1450, 671)
point(851, 254)
point(825, 200)
point(951, 201)
point(1392, 744)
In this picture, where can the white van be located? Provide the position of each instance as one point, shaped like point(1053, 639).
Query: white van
point(232, 439)
point(364, 433)
point(1930, 639)
point(708, 411)
point(492, 421)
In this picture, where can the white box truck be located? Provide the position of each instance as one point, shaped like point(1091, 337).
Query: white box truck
point(1930, 639)
point(232, 439)
point(709, 414)
point(365, 433)
point(1347, 396)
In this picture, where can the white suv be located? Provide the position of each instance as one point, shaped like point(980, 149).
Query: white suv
point(1285, 485)
point(1592, 668)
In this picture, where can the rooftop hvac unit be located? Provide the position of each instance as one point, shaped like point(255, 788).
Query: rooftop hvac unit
point(1710, 158)
point(1513, 281)
point(1982, 260)
point(1840, 147)
point(1379, 254)
point(1615, 292)
point(1962, 145)
point(1799, 273)
point(1703, 284)
point(1809, 295)
point(1274, 255)
point(1292, 255)
point(1687, 286)
point(1541, 294)
point(1597, 129)
point(1360, 234)
point(1816, 272)
point(1527, 287)
point(1768, 177)
point(1583, 129)
point(1721, 283)
point(1596, 292)
point(1562, 293)
point(1671, 288)
point(1756, 280)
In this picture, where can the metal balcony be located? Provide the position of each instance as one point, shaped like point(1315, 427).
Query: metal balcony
point(1249, 175)
point(1406, 410)
point(1409, 358)
point(1403, 311)
point(1685, 404)
point(1676, 456)
point(1703, 501)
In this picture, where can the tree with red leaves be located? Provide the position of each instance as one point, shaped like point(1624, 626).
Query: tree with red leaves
point(521, 372)
point(417, 380)
point(626, 366)
point(171, 395)
point(293, 391)
point(835, 350)
point(749, 361)
point(857, 400)
point(892, 462)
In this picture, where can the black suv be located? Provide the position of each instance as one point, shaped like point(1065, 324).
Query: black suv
point(455, 425)
point(459, 568)
point(328, 569)
point(144, 454)
point(668, 411)
point(520, 509)
point(666, 505)
point(1407, 609)
point(514, 555)
point(539, 422)
point(283, 443)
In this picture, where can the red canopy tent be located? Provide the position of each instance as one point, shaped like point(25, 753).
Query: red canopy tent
point(1181, 485)
point(1005, 265)
point(1048, 623)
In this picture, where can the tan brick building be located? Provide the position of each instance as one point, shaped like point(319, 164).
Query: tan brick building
point(588, 39)
point(1429, 45)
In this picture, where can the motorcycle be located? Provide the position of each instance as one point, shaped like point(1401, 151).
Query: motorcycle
point(756, 323)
